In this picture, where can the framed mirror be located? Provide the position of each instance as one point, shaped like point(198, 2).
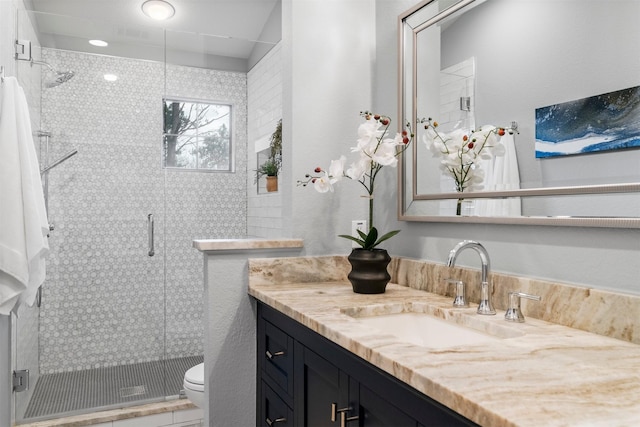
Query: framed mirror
point(563, 81)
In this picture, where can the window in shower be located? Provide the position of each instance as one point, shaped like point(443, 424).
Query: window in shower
point(197, 135)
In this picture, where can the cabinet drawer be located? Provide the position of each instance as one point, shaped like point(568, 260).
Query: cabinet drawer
point(278, 357)
point(275, 412)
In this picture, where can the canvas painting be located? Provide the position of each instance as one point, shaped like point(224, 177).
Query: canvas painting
point(610, 121)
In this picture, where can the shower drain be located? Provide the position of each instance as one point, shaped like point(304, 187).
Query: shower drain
point(132, 391)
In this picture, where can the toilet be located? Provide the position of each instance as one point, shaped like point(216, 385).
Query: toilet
point(194, 385)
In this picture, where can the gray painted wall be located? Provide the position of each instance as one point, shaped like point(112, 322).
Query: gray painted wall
point(332, 78)
point(328, 63)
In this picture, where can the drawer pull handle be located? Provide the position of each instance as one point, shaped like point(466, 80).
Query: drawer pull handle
point(270, 355)
point(334, 412)
point(343, 415)
point(344, 419)
point(277, 420)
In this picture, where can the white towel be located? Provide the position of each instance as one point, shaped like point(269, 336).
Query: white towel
point(23, 219)
point(501, 173)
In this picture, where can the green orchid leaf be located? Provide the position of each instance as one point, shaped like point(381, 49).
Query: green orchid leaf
point(386, 237)
point(355, 239)
point(369, 242)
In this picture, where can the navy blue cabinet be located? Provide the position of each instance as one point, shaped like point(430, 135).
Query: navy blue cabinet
point(305, 380)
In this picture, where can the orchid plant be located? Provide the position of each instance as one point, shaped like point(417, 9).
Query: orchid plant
point(375, 149)
point(461, 152)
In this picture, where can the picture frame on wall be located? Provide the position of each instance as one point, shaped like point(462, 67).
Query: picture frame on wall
point(609, 121)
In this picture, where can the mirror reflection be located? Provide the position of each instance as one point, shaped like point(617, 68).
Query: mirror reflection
point(494, 64)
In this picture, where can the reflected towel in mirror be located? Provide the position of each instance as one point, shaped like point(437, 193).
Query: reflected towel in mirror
point(501, 173)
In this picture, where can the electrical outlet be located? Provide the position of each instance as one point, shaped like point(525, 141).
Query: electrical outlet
point(359, 224)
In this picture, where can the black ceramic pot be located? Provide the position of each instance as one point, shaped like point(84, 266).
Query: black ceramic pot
point(369, 273)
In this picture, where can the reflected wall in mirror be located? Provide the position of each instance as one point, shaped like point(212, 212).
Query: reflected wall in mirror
point(468, 64)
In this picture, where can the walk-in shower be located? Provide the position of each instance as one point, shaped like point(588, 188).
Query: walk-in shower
point(117, 327)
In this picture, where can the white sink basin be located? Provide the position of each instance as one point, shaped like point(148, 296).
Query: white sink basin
point(426, 330)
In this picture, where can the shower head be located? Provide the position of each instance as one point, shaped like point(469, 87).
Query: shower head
point(60, 76)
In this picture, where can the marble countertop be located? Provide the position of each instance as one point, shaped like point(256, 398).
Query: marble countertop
point(537, 374)
point(208, 245)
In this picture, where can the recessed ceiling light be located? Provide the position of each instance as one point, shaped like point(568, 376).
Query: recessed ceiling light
point(99, 43)
point(110, 77)
point(158, 9)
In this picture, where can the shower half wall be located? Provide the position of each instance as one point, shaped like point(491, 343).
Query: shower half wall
point(105, 302)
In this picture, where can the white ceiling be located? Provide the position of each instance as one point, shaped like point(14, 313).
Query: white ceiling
point(222, 28)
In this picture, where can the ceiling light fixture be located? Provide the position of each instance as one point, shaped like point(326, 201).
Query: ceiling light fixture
point(99, 43)
point(158, 9)
point(110, 77)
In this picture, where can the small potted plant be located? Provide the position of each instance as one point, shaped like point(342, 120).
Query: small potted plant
point(271, 166)
point(270, 169)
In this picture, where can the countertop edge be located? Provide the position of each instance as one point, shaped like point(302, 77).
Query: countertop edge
point(213, 245)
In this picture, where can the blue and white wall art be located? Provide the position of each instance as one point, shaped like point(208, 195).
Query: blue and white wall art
point(610, 121)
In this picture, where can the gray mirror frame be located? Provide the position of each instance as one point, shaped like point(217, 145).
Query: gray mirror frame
point(409, 100)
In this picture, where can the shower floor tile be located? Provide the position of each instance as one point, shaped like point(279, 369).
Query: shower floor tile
point(78, 391)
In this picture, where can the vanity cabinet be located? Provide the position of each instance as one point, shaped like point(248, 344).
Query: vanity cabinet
point(306, 380)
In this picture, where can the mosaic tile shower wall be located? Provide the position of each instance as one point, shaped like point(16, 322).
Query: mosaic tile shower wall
point(105, 299)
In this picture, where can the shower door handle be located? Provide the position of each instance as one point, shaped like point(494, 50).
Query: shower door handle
point(150, 231)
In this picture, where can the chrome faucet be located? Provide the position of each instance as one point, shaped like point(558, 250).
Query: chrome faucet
point(485, 306)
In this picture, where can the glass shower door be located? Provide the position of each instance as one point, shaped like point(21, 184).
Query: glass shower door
point(101, 328)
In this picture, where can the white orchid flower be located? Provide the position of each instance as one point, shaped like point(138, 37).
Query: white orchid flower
point(368, 134)
point(386, 154)
point(323, 184)
point(460, 152)
point(336, 169)
point(359, 169)
point(397, 140)
point(452, 159)
point(376, 150)
point(432, 141)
